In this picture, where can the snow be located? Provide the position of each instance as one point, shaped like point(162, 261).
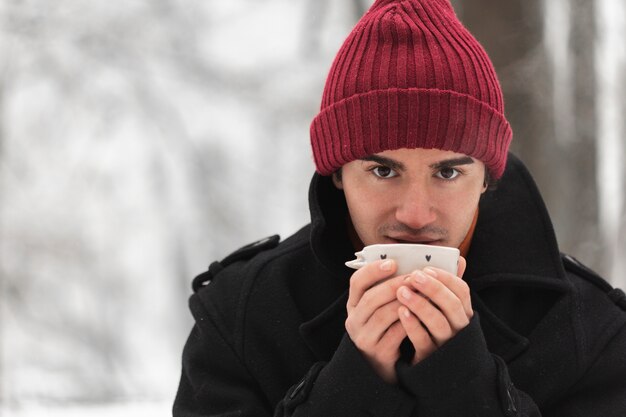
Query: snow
point(131, 409)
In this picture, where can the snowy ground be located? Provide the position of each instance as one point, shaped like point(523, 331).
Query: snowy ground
point(148, 409)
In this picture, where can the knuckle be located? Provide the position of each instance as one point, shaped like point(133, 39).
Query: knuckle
point(465, 299)
point(464, 288)
point(463, 284)
point(355, 282)
point(389, 285)
point(362, 341)
point(348, 324)
point(457, 305)
point(441, 326)
point(436, 291)
point(459, 324)
point(377, 319)
point(395, 283)
point(367, 299)
point(395, 330)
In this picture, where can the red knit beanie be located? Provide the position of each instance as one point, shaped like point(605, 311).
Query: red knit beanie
point(410, 75)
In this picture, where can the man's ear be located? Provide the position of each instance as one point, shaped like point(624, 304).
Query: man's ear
point(486, 181)
point(337, 180)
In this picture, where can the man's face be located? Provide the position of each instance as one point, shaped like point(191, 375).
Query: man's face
point(425, 196)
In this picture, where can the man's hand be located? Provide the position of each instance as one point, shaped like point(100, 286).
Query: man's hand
point(436, 305)
point(373, 323)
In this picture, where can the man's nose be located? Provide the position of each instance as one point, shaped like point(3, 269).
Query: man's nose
point(415, 208)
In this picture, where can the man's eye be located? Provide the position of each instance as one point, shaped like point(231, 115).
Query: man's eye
point(384, 172)
point(448, 173)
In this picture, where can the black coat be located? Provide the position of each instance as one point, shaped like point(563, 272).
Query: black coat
point(548, 337)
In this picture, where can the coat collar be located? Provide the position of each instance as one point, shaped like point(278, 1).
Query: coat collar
point(514, 236)
point(514, 245)
point(329, 238)
point(323, 333)
point(514, 258)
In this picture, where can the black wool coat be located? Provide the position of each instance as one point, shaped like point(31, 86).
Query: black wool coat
point(548, 337)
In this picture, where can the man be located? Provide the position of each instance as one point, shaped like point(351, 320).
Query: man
point(409, 142)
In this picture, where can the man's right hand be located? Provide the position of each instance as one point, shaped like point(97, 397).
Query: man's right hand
point(373, 323)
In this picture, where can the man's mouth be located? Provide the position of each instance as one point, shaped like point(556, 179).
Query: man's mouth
point(423, 240)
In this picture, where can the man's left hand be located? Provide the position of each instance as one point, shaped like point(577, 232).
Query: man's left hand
point(436, 305)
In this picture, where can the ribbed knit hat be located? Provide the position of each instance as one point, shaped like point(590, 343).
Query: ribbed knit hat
point(410, 75)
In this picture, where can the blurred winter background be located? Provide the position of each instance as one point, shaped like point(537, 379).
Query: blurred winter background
point(140, 140)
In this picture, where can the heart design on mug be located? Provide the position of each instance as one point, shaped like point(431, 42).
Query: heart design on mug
point(383, 256)
point(428, 258)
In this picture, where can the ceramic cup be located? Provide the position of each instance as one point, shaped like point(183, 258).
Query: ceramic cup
point(409, 256)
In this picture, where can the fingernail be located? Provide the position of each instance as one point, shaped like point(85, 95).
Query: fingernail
point(419, 277)
point(431, 272)
point(405, 312)
point(387, 265)
point(404, 292)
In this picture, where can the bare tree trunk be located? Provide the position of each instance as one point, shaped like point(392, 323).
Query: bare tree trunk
point(543, 52)
point(576, 197)
point(359, 7)
point(512, 34)
point(315, 12)
point(619, 268)
point(611, 127)
point(2, 272)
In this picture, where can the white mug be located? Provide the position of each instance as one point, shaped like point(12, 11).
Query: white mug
point(409, 257)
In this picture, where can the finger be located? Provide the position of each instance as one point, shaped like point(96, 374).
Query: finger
point(386, 353)
point(463, 291)
point(393, 337)
point(418, 335)
point(367, 334)
point(461, 267)
point(366, 277)
point(442, 297)
point(374, 298)
point(456, 285)
point(431, 318)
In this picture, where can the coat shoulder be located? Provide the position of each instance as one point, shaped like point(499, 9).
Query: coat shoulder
point(244, 253)
point(600, 309)
point(222, 292)
point(591, 282)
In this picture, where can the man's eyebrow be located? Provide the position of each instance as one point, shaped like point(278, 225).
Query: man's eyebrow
point(388, 162)
point(448, 163)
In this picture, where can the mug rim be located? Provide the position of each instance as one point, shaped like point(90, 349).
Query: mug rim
point(399, 245)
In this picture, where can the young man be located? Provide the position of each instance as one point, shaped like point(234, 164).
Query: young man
point(410, 137)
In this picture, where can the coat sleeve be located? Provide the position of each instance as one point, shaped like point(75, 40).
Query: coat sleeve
point(462, 378)
point(215, 382)
point(346, 386)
